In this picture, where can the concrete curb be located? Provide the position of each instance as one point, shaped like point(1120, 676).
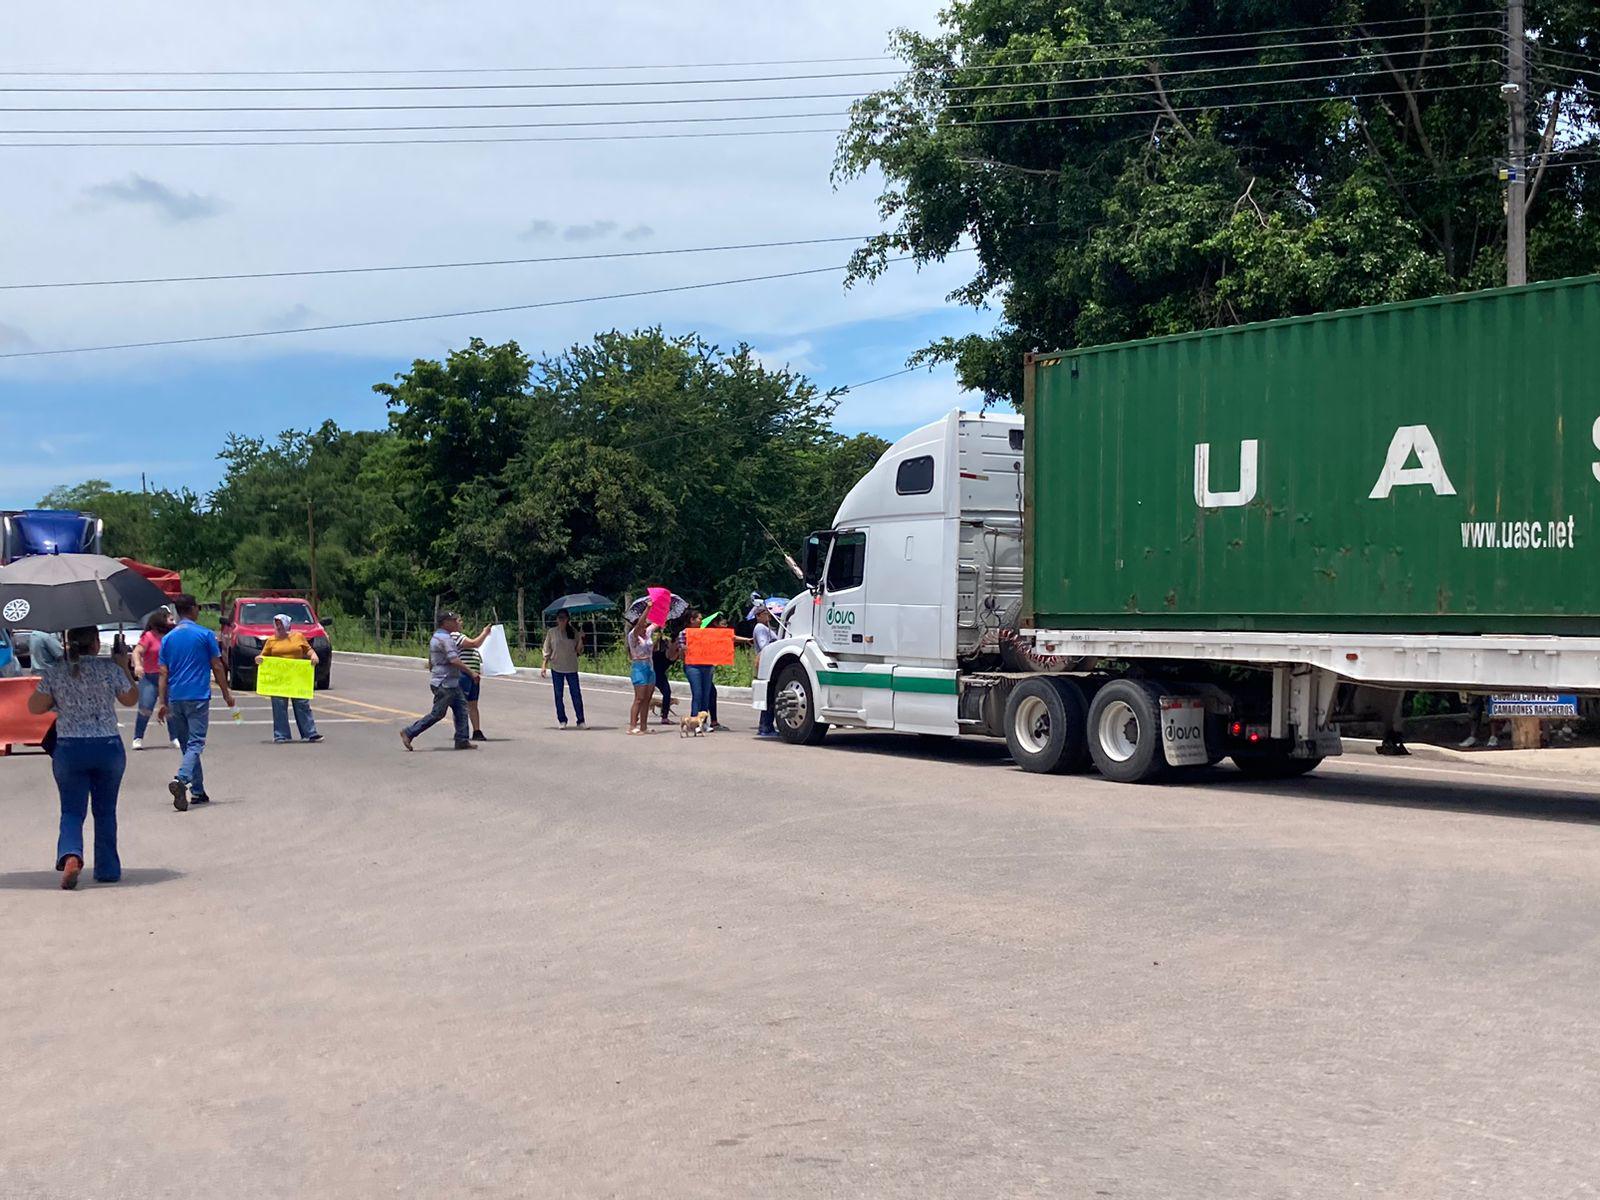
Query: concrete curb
point(531, 674)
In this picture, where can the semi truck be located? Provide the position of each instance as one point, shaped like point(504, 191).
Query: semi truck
point(1222, 544)
point(48, 531)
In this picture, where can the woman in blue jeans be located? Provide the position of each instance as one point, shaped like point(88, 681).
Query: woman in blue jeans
point(563, 646)
point(89, 760)
point(147, 670)
point(702, 688)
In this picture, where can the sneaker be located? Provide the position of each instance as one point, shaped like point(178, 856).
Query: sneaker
point(138, 743)
point(176, 744)
point(405, 739)
point(199, 799)
point(315, 737)
point(581, 725)
point(180, 795)
point(466, 745)
point(477, 736)
point(69, 872)
point(281, 741)
point(1468, 744)
point(563, 727)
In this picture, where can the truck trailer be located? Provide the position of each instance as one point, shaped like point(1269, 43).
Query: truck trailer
point(1222, 544)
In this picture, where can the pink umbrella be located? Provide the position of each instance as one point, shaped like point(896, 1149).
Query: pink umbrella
point(660, 605)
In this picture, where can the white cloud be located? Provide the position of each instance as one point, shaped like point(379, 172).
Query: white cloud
point(307, 207)
point(795, 355)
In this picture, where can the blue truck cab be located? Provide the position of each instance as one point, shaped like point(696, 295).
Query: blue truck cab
point(48, 531)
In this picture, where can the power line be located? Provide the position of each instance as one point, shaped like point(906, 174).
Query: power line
point(1084, 115)
point(662, 100)
point(1086, 46)
point(436, 266)
point(32, 89)
point(1151, 112)
point(475, 312)
point(658, 136)
point(985, 102)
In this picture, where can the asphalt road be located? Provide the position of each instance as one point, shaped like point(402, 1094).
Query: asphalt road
point(584, 965)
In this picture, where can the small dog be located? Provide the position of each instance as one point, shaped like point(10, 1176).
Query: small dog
point(694, 726)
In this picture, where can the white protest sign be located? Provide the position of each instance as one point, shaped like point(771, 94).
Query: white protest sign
point(497, 654)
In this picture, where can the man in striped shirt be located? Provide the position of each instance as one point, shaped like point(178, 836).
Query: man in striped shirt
point(472, 675)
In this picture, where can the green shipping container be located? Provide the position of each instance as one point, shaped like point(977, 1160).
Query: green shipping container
point(1431, 467)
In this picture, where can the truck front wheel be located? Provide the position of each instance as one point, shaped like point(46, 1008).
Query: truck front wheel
point(794, 709)
point(1044, 726)
point(1125, 732)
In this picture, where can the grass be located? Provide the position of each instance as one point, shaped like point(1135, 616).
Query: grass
point(353, 635)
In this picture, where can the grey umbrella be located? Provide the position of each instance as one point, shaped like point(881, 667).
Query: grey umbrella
point(69, 591)
point(579, 604)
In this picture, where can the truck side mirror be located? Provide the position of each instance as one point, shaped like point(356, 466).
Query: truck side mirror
point(814, 557)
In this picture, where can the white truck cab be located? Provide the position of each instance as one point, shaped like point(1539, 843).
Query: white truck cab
point(919, 574)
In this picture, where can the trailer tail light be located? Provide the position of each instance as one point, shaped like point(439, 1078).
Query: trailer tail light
point(1254, 736)
point(1236, 729)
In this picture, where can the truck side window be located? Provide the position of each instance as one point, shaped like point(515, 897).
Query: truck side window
point(1016, 439)
point(848, 566)
point(915, 476)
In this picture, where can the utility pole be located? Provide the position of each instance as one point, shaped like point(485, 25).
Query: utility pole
point(311, 542)
point(1515, 91)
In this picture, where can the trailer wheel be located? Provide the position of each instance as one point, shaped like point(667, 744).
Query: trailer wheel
point(1044, 726)
point(1274, 766)
point(794, 709)
point(1125, 732)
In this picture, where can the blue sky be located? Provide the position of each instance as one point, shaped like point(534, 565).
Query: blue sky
point(74, 214)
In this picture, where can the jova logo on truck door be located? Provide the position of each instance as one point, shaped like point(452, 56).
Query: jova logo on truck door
point(1411, 443)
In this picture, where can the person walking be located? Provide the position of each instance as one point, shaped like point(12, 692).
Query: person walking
point(472, 676)
point(699, 675)
point(444, 678)
point(663, 653)
point(563, 646)
point(190, 659)
point(84, 690)
point(147, 670)
point(641, 671)
point(285, 642)
point(762, 635)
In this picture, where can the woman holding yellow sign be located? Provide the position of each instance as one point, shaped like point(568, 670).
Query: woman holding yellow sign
point(286, 682)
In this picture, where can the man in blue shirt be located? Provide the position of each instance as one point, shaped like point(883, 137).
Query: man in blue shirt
point(190, 660)
point(444, 677)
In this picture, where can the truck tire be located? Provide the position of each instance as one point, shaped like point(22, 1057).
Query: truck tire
point(1125, 732)
point(794, 708)
point(1274, 766)
point(1044, 726)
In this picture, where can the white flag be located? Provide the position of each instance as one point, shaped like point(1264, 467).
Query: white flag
point(496, 653)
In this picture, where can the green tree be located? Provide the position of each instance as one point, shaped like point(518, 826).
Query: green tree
point(1118, 183)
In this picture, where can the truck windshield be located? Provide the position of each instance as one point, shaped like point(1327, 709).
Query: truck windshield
point(261, 612)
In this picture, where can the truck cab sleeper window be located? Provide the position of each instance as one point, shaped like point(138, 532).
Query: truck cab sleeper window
point(915, 476)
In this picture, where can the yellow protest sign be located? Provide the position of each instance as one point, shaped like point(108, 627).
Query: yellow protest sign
point(290, 677)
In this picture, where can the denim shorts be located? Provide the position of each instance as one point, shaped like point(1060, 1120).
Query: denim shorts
point(471, 688)
point(643, 674)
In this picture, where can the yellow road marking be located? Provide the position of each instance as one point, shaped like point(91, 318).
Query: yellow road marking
point(399, 712)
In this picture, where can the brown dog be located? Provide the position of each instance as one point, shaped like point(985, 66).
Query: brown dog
point(694, 726)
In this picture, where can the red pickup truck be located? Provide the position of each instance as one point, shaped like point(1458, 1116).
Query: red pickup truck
point(252, 616)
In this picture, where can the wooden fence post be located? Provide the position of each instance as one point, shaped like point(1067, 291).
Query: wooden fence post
point(522, 621)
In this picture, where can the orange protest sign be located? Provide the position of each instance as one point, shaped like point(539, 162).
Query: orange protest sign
point(18, 726)
point(708, 647)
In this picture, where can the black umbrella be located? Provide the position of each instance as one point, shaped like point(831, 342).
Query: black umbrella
point(579, 604)
point(676, 609)
point(69, 591)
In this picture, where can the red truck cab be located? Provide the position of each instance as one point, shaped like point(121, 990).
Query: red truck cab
point(251, 625)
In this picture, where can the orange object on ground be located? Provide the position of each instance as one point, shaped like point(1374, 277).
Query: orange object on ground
point(708, 647)
point(18, 726)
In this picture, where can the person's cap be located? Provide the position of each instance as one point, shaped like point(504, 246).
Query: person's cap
point(446, 614)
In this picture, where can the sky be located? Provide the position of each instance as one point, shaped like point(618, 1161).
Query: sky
point(96, 212)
